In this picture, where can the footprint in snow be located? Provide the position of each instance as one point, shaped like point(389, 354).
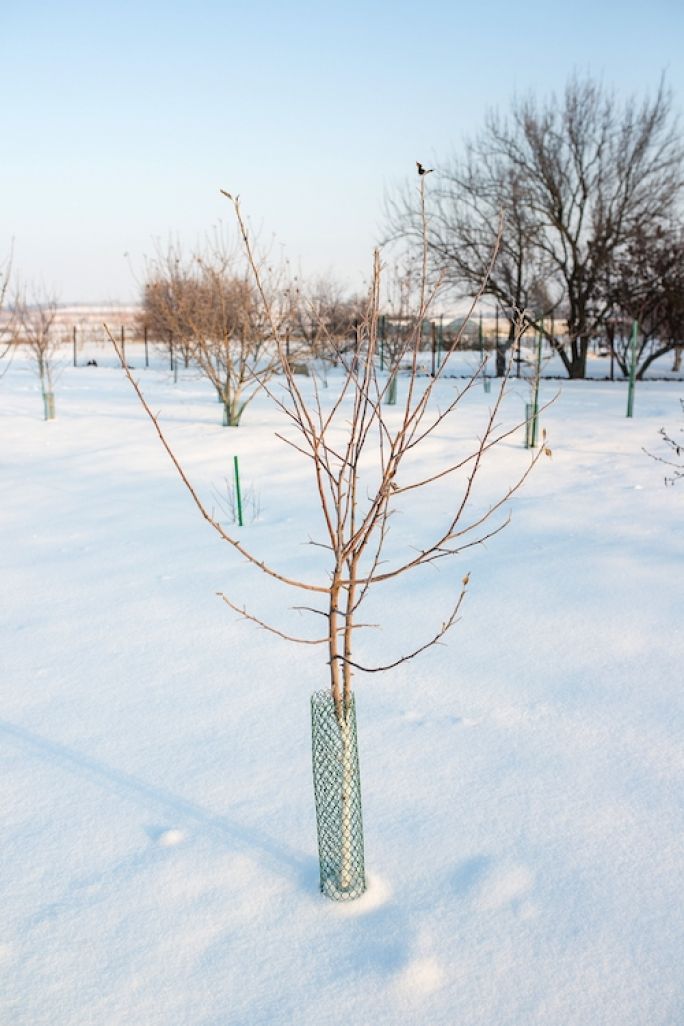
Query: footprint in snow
point(166, 837)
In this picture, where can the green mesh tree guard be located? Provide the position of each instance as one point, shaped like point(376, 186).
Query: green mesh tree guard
point(49, 405)
point(337, 790)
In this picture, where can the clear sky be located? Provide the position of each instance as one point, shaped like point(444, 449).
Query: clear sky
point(121, 120)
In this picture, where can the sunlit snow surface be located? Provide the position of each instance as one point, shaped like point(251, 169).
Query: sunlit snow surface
point(522, 783)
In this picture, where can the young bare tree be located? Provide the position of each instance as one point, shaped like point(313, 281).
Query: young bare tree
point(35, 313)
point(325, 320)
point(206, 305)
point(366, 464)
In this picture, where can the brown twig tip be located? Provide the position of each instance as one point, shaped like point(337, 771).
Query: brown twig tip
point(226, 194)
point(466, 580)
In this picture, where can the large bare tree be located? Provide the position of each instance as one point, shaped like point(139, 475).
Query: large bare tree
point(577, 176)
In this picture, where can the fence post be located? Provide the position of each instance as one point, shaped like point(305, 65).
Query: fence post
point(433, 335)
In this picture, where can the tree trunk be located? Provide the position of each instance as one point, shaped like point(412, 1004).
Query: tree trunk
point(577, 365)
point(232, 411)
point(501, 358)
point(655, 353)
point(346, 841)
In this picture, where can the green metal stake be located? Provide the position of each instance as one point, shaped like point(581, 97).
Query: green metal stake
point(632, 368)
point(238, 496)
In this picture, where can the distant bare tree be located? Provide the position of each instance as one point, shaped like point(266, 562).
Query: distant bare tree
point(325, 319)
point(206, 304)
point(168, 292)
point(6, 317)
point(647, 286)
point(35, 314)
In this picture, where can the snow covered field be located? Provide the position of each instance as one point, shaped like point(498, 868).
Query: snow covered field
point(522, 783)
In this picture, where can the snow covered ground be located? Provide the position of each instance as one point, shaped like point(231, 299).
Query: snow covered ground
point(522, 784)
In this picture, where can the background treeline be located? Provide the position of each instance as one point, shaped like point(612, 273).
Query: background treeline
point(577, 198)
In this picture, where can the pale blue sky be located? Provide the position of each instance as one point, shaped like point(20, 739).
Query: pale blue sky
point(121, 120)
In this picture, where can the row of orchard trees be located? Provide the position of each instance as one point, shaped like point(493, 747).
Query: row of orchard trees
point(205, 306)
point(590, 187)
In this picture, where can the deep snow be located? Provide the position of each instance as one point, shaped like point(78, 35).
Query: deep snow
point(522, 784)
